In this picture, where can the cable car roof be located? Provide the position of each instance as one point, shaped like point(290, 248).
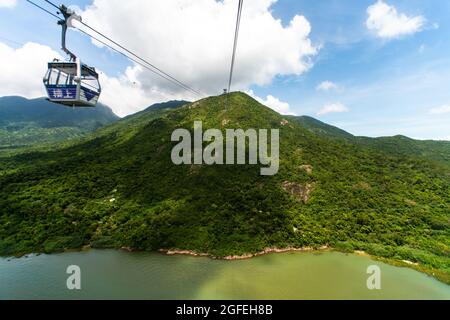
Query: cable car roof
point(71, 68)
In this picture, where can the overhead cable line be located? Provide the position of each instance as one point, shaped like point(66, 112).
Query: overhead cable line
point(12, 41)
point(236, 36)
point(150, 65)
point(43, 9)
point(156, 70)
point(112, 48)
point(52, 4)
point(123, 54)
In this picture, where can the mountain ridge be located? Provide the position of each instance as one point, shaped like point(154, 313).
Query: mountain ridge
point(399, 144)
point(26, 122)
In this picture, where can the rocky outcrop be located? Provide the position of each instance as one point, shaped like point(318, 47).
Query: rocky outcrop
point(301, 192)
point(307, 168)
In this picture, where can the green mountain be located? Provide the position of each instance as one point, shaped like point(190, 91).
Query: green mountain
point(129, 126)
point(399, 145)
point(404, 146)
point(322, 129)
point(26, 122)
point(119, 188)
point(166, 105)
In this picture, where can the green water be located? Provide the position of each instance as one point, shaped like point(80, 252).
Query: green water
point(110, 274)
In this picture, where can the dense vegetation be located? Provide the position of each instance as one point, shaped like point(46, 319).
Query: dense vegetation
point(119, 188)
point(26, 122)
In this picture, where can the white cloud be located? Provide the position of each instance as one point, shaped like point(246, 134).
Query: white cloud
point(333, 108)
point(441, 110)
point(8, 3)
point(22, 69)
point(447, 138)
point(388, 23)
point(125, 94)
point(192, 40)
point(327, 86)
point(273, 103)
point(189, 39)
point(422, 48)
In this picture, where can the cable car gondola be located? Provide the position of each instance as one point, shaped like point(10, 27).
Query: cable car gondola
point(71, 83)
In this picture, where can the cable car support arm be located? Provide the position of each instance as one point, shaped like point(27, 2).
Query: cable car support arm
point(69, 16)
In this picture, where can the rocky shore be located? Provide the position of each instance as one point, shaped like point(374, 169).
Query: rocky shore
point(242, 257)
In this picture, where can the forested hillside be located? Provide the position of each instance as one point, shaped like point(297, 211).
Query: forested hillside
point(119, 188)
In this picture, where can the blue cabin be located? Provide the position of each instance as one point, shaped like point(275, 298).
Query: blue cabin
point(72, 84)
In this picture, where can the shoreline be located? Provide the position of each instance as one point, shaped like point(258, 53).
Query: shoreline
point(434, 273)
point(173, 252)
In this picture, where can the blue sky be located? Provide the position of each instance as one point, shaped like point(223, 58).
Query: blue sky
point(381, 85)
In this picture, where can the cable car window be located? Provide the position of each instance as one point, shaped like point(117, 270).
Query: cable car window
point(62, 78)
point(53, 77)
point(90, 84)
